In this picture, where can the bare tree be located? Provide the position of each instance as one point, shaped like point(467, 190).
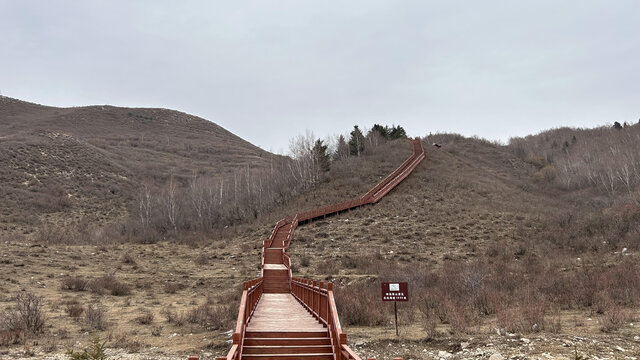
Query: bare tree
point(145, 206)
point(197, 197)
point(170, 202)
point(304, 167)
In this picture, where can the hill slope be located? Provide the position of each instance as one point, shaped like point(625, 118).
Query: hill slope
point(67, 164)
point(484, 243)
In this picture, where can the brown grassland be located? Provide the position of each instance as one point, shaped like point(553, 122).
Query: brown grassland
point(502, 254)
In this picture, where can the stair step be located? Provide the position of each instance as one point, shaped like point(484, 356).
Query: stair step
point(286, 349)
point(286, 334)
point(287, 341)
point(310, 356)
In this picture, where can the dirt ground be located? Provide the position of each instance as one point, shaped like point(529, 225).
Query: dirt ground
point(435, 216)
point(213, 271)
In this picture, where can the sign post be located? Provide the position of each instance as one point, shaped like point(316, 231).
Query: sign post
point(395, 291)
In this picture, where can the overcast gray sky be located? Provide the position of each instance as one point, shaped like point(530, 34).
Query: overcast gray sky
point(269, 70)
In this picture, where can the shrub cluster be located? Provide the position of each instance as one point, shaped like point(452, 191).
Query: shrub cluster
point(521, 294)
point(107, 283)
point(26, 316)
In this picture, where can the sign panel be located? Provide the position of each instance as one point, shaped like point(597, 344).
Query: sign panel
point(395, 291)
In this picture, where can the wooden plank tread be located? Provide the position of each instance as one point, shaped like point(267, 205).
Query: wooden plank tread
point(282, 313)
point(275, 267)
point(285, 346)
point(288, 355)
point(288, 338)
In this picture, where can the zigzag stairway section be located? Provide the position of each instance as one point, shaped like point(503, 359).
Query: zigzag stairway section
point(282, 317)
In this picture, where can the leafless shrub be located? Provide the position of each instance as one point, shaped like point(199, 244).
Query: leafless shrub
point(123, 340)
point(209, 316)
point(459, 316)
point(429, 322)
point(128, 259)
point(134, 346)
point(50, 345)
point(111, 284)
point(614, 318)
point(173, 317)
point(156, 330)
point(305, 261)
point(546, 174)
point(27, 314)
point(329, 267)
point(172, 287)
point(358, 304)
point(74, 309)
point(95, 316)
point(74, 283)
point(145, 319)
point(527, 317)
point(51, 234)
point(554, 323)
point(12, 337)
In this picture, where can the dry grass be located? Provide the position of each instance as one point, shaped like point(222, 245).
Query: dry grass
point(66, 166)
point(166, 280)
point(482, 242)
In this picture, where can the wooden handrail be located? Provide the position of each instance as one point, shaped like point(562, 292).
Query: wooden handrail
point(376, 196)
point(321, 303)
point(312, 294)
point(251, 294)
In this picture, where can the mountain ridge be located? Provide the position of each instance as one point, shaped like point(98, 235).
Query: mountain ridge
point(68, 161)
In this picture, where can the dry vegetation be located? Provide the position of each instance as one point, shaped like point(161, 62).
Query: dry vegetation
point(173, 297)
point(605, 159)
point(487, 247)
point(86, 166)
point(498, 246)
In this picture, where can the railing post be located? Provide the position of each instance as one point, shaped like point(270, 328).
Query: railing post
point(323, 303)
point(329, 290)
point(315, 297)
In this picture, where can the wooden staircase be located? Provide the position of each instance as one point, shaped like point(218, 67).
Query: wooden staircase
point(287, 345)
point(282, 317)
point(276, 279)
point(282, 328)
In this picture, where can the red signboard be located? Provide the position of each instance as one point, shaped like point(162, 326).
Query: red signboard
point(395, 291)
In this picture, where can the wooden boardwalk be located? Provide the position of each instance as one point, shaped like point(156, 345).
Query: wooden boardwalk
point(282, 313)
point(282, 317)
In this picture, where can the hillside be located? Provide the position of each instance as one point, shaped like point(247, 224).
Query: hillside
point(499, 260)
point(65, 165)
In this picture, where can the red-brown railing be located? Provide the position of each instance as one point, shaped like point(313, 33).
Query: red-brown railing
point(373, 195)
point(321, 303)
point(250, 296)
point(313, 295)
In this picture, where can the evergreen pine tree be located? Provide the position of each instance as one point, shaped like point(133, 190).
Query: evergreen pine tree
point(356, 142)
point(320, 155)
point(382, 130)
point(397, 132)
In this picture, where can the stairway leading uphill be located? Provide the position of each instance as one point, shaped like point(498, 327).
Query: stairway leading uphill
point(282, 328)
point(282, 317)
